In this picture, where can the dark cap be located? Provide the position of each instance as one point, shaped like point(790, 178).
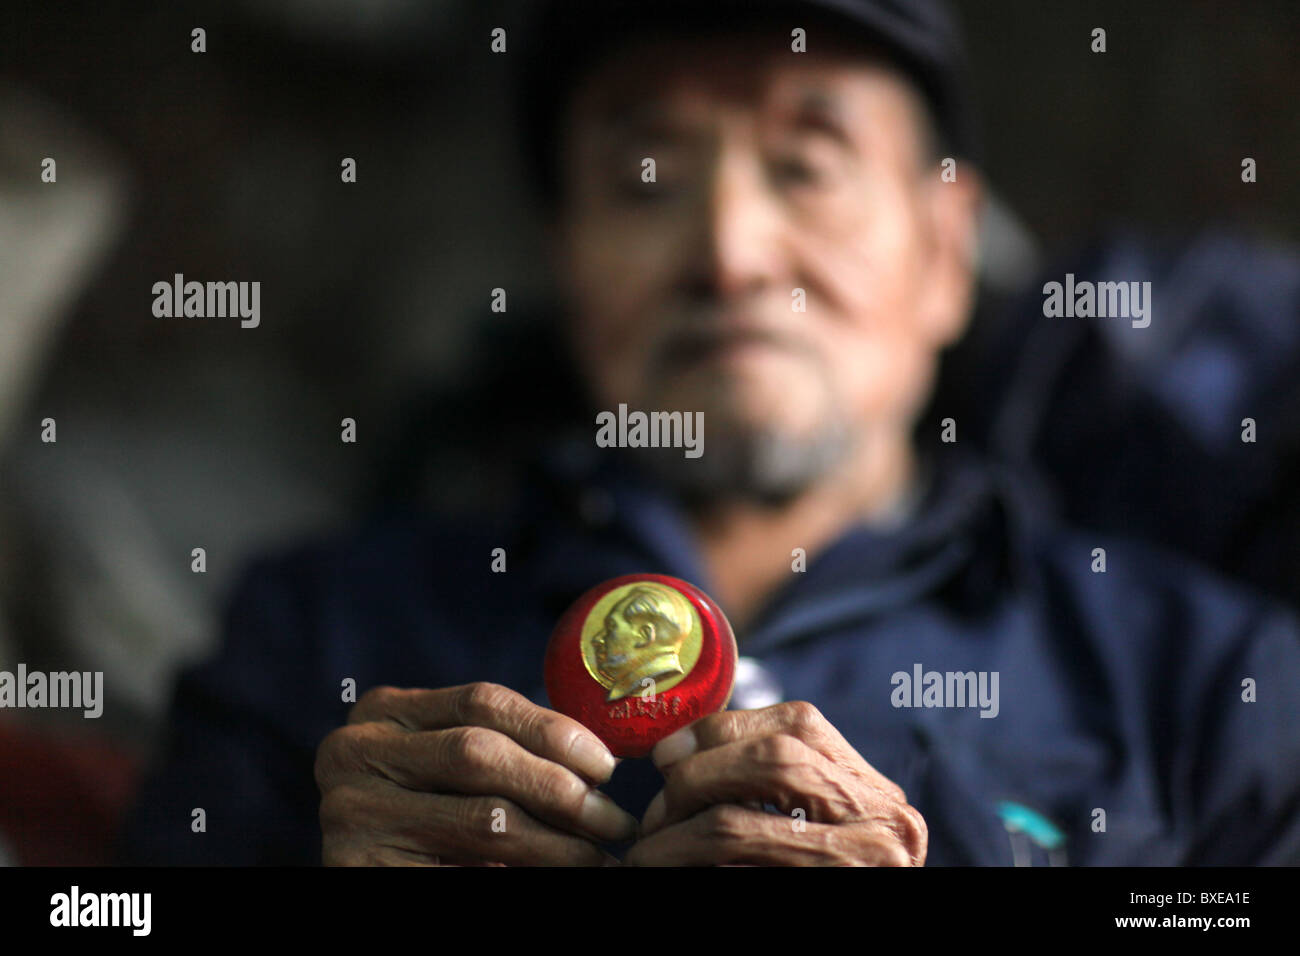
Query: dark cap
point(565, 37)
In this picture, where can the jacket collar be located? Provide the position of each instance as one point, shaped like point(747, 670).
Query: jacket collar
point(591, 515)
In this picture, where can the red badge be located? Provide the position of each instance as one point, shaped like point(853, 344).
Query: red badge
point(638, 657)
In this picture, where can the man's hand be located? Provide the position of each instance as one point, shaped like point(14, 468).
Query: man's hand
point(721, 769)
point(464, 775)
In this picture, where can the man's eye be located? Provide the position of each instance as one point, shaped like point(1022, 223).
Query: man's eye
point(639, 193)
point(792, 171)
point(634, 189)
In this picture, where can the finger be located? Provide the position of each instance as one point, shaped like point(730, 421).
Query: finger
point(544, 732)
point(728, 835)
point(779, 770)
point(472, 761)
point(798, 719)
point(370, 824)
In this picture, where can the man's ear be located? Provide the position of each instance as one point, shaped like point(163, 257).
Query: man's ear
point(951, 223)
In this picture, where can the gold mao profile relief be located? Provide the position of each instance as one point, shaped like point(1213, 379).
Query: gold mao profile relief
point(644, 630)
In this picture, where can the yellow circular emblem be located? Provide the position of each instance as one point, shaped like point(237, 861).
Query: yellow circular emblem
point(641, 638)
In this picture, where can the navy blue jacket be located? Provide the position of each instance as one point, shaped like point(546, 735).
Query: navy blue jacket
point(1139, 431)
point(1121, 693)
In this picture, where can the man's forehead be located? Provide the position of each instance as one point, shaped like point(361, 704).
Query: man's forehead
point(656, 81)
point(806, 102)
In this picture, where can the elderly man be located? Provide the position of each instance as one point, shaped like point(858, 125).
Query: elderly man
point(751, 217)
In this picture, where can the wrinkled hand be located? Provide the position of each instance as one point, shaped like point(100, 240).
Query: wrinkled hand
point(721, 769)
point(464, 775)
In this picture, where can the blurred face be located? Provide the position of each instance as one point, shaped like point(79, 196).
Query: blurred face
point(791, 271)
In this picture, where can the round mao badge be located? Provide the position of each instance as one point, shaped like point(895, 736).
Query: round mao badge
point(638, 657)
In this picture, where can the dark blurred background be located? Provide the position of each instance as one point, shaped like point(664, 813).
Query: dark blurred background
point(183, 433)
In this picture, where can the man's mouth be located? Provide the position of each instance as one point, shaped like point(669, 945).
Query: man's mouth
point(711, 345)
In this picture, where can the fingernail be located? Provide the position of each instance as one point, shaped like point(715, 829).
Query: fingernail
point(594, 757)
point(654, 814)
point(604, 818)
point(674, 747)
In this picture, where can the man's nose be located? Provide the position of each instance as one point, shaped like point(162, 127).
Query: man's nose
point(737, 250)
